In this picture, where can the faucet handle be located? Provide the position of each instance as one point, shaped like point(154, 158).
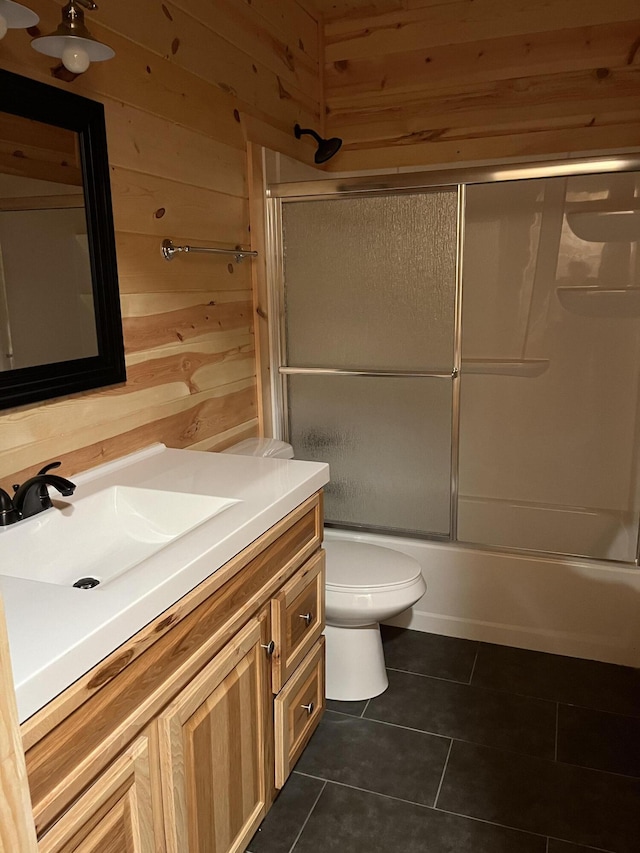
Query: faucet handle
point(8, 513)
point(49, 467)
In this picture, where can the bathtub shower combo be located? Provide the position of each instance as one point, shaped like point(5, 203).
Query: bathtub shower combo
point(466, 357)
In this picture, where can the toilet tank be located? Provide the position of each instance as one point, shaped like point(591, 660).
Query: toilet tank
point(262, 447)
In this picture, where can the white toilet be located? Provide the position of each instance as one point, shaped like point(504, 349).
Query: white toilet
point(365, 585)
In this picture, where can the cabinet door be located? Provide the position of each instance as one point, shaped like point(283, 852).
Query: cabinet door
point(297, 615)
point(214, 750)
point(115, 815)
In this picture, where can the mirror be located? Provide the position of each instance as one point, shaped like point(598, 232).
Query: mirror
point(60, 324)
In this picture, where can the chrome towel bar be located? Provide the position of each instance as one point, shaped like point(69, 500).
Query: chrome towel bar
point(169, 251)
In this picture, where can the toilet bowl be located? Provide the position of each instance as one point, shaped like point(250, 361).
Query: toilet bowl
point(365, 584)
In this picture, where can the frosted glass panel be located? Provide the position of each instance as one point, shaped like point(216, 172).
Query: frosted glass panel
point(388, 442)
point(370, 282)
point(549, 432)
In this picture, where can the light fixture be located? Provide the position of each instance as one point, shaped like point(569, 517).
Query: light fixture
point(72, 42)
point(326, 147)
point(14, 16)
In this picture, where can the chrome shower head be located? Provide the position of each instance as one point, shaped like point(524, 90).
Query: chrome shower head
point(326, 147)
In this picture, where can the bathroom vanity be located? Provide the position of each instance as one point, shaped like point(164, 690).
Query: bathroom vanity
point(179, 737)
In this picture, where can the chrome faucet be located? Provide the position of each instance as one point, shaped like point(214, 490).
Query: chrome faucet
point(32, 496)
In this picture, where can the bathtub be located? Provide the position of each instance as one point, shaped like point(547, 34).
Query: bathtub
point(576, 607)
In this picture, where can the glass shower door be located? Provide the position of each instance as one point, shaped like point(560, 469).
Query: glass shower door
point(369, 299)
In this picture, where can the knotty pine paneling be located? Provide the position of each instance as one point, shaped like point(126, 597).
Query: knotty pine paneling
point(184, 74)
point(454, 81)
point(144, 270)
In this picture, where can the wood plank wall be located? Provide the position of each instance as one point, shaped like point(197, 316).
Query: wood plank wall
point(419, 82)
point(186, 77)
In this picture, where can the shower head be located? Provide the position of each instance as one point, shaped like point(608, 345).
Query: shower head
point(326, 147)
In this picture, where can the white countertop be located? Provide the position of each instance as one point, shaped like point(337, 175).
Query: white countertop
point(57, 633)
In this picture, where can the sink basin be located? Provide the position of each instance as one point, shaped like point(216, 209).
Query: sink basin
point(103, 535)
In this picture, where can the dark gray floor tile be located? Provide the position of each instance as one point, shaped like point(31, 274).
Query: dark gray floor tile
point(598, 739)
point(281, 826)
point(583, 806)
point(376, 757)
point(349, 821)
point(353, 708)
point(428, 654)
point(590, 684)
point(469, 713)
point(565, 847)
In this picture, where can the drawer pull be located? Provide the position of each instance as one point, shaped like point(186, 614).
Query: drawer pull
point(308, 618)
point(308, 708)
point(269, 647)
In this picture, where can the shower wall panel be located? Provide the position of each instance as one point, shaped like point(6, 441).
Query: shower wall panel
point(550, 365)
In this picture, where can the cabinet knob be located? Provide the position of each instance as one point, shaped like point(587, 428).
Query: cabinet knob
point(308, 708)
point(308, 618)
point(269, 647)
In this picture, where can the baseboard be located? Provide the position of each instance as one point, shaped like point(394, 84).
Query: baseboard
point(536, 639)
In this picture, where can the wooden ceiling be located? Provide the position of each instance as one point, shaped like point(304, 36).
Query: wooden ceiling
point(332, 9)
point(441, 81)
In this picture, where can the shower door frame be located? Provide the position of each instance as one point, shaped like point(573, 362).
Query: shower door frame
point(407, 183)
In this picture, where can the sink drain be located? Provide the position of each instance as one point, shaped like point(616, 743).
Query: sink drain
point(86, 583)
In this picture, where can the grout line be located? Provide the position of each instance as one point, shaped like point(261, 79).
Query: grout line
point(424, 675)
point(366, 790)
point(398, 726)
point(555, 754)
point(475, 661)
point(364, 709)
point(546, 847)
point(428, 808)
point(306, 821)
point(635, 717)
point(531, 755)
point(342, 713)
point(564, 841)
point(532, 696)
point(444, 770)
point(481, 687)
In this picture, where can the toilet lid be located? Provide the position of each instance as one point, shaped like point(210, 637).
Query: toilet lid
point(356, 565)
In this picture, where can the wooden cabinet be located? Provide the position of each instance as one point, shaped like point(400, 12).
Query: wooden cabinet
point(213, 750)
point(115, 815)
point(170, 743)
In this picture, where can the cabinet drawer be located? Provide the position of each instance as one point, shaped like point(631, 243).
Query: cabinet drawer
point(297, 619)
point(297, 711)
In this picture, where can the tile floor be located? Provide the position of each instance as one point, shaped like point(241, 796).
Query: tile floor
point(474, 748)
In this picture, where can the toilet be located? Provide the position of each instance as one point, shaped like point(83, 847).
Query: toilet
point(365, 584)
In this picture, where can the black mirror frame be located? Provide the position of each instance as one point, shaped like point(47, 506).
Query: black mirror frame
point(33, 100)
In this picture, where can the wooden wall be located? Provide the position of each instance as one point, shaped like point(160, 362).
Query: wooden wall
point(419, 82)
point(191, 81)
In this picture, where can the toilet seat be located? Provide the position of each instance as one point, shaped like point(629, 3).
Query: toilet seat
point(356, 567)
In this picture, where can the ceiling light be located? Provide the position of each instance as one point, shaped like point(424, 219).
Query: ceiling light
point(14, 16)
point(72, 42)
